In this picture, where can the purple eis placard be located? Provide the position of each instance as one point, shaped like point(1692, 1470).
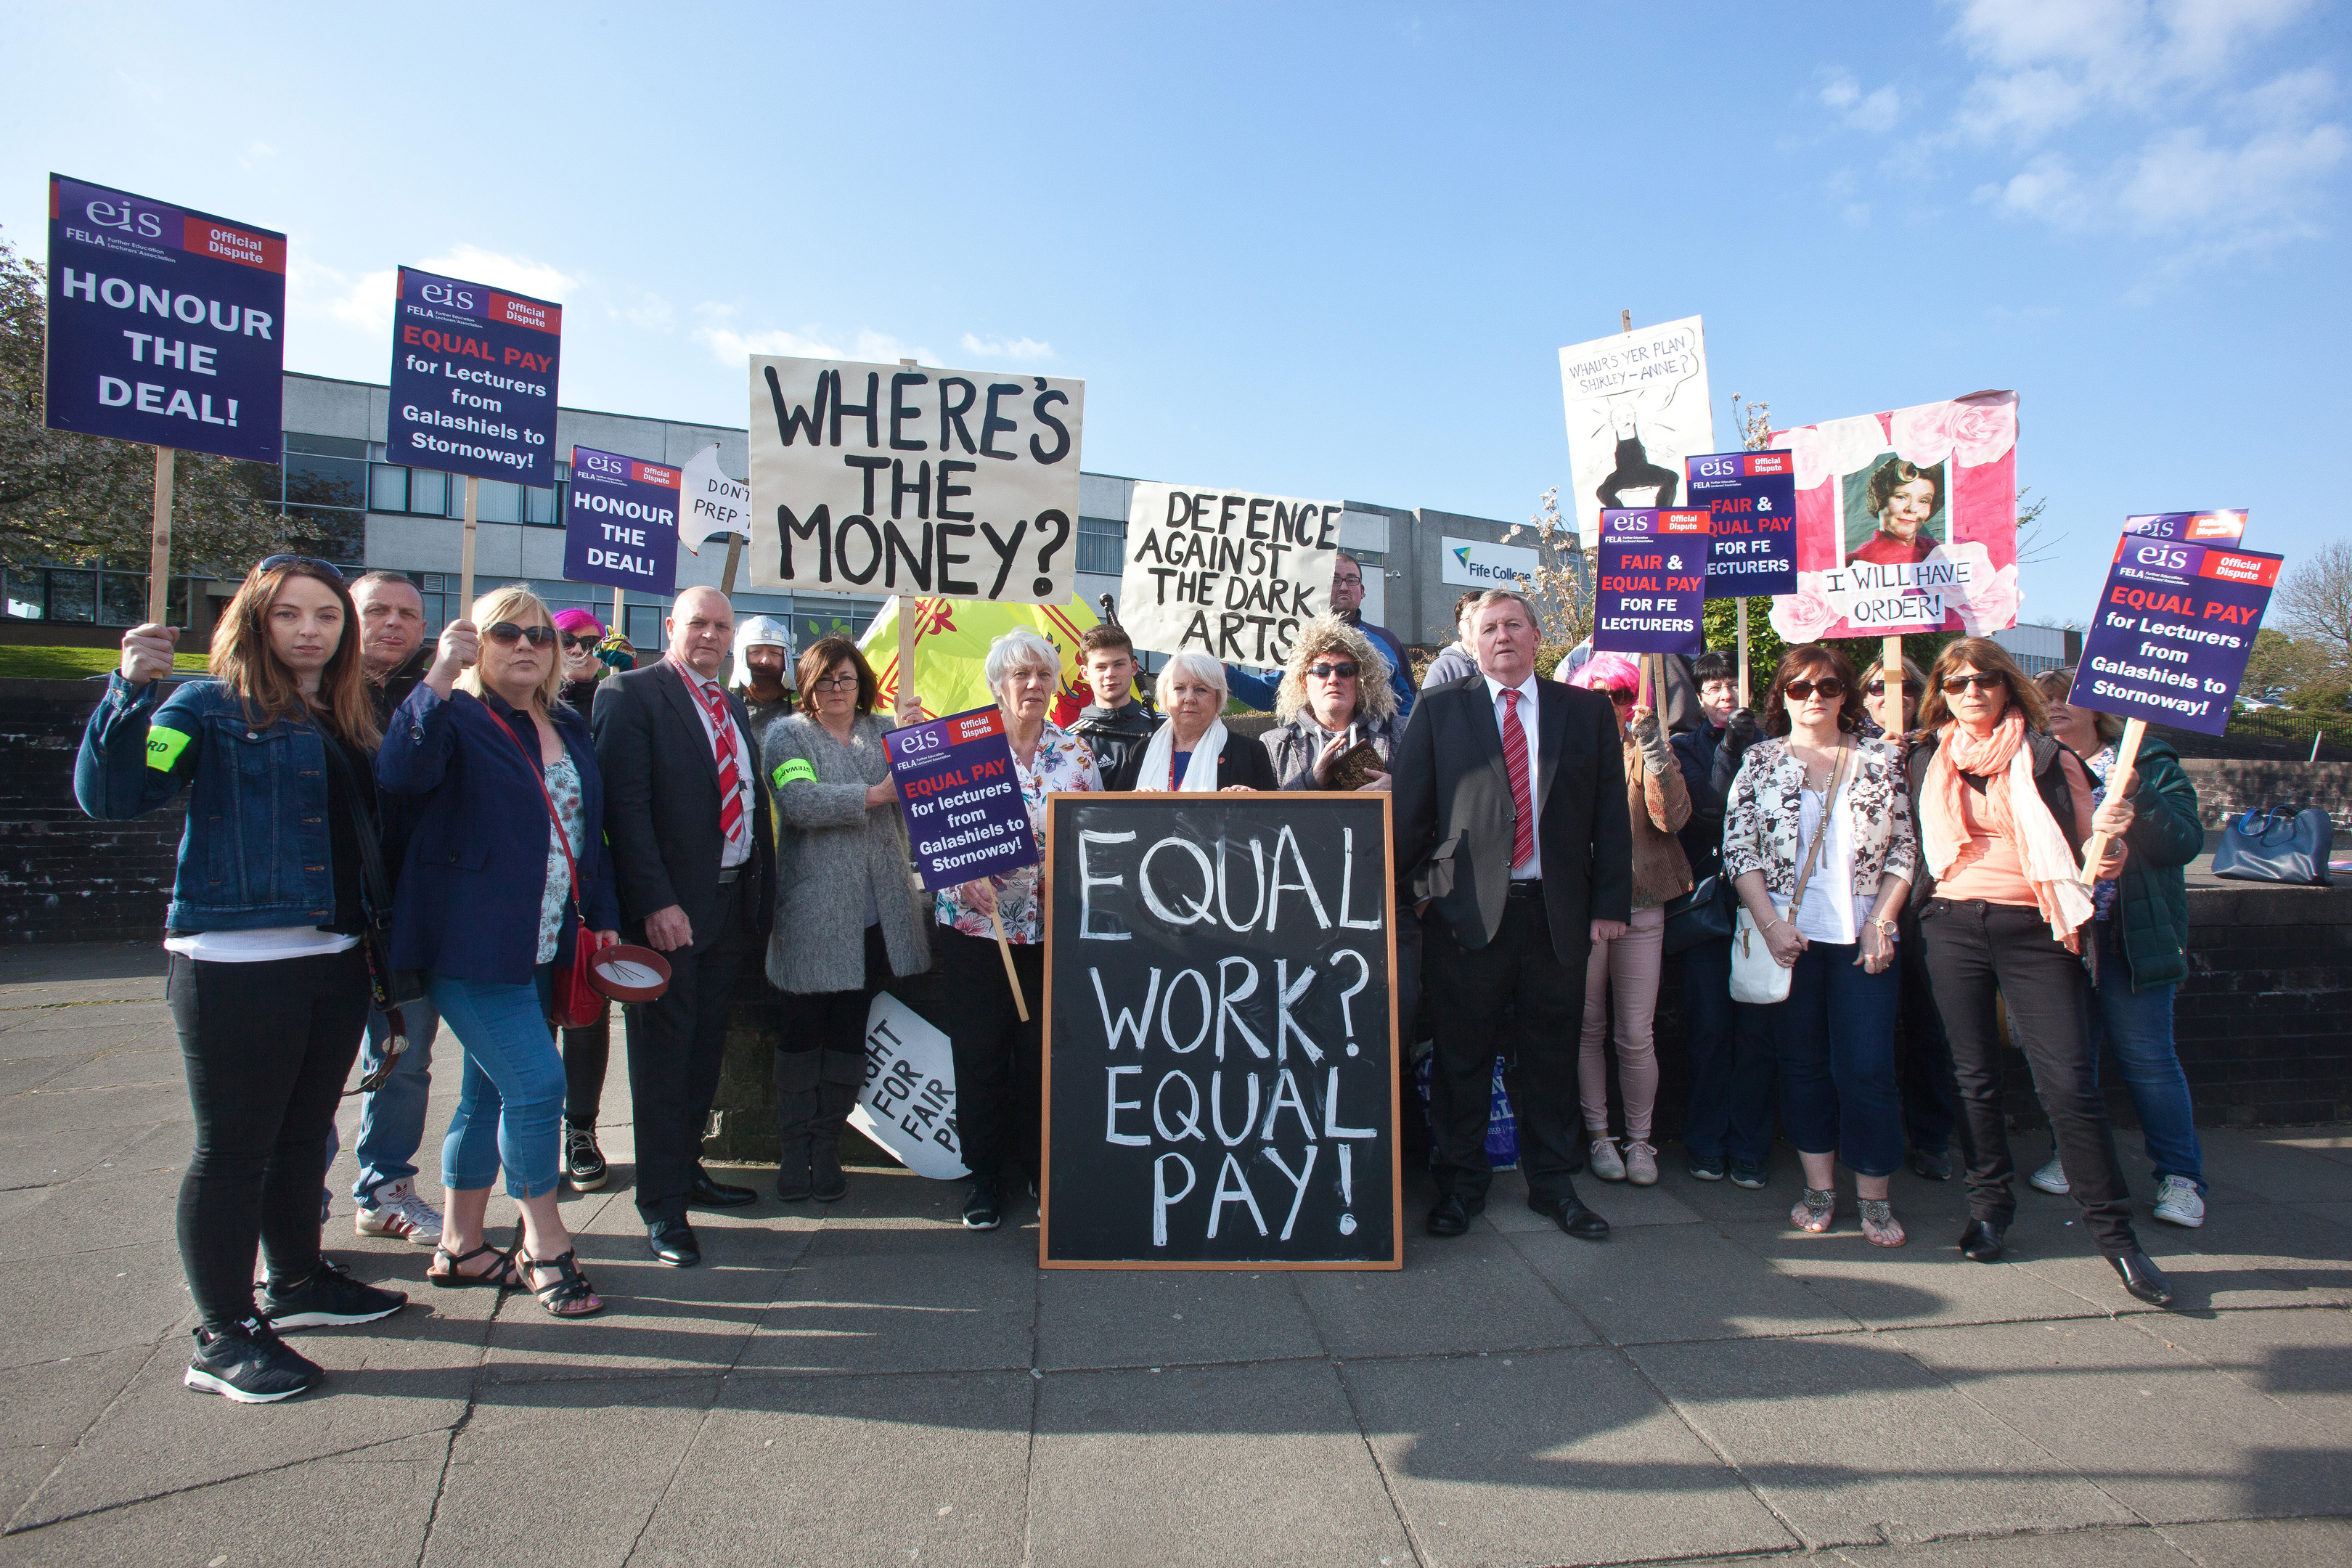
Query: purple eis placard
point(2175, 624)
point(961, 800)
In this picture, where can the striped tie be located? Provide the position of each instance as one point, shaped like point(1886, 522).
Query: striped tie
point(731, 782)
point(1515, 757)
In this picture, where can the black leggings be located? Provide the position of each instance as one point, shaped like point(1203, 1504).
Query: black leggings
point(586, 1052)
point(835, 1020)
point(267, 1046)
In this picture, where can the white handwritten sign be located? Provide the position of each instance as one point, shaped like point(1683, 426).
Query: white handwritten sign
point(710, 502)
point(908, 1101)
point(1230, 573)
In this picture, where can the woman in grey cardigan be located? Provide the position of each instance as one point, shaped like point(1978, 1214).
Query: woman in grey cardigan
point(846, 919)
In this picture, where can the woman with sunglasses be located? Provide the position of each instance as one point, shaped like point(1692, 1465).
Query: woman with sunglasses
point(267, 981)
point(2004, 812)
point(1817, 840)
point(588, 1049)
point(1623, 972)
point(1327, 709)
point(847, 923)
point(504, 860)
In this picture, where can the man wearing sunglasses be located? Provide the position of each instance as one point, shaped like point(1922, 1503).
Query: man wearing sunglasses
point(686, 810)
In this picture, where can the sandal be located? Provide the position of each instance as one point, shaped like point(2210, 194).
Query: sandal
point(449, 1269)
point(1815, 1210)
point(1879, 1226)
point(569, 1296)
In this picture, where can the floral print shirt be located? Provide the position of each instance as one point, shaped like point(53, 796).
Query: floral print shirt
point(2103, 894)
point(1762, 822)
point(1061, 762)
point(564, 788)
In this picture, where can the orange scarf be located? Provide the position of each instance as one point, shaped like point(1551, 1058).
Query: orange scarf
point(2014, 810)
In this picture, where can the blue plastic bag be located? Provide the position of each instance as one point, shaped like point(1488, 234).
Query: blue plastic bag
point(1501, 1126)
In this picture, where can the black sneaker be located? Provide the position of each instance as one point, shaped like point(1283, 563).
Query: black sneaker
point(981, 1204)
point(1707, 1167)
point(248, 1362)
point(1748, 1174)
point(329, 1299)
point(584, 1163)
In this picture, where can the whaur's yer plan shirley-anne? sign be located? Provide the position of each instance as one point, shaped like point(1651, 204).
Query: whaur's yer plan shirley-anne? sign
point(1230, 573)
point(620, 524)
point(474, 372)
point(2175, 625)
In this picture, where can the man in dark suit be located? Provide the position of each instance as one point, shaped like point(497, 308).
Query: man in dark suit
point(687, 814)
point(1513, 842)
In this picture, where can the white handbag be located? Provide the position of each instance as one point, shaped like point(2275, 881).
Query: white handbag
point(1756, 976)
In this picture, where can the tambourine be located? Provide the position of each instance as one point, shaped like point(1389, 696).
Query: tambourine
point(628, 973)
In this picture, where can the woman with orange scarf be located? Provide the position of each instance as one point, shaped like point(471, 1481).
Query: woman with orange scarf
point(2003, 811)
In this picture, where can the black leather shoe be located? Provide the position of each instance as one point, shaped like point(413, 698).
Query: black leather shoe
point(1570, 1213)
point(673, 1243)
point(1450, 1217)
point(2143, 1279)
point(707, 1194)
point(1982, 1240)
point(1936, 1166)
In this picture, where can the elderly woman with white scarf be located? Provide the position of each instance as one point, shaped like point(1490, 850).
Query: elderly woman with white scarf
point(1192, 751)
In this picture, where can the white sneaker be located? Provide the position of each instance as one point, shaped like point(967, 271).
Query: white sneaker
point(2051, 1178)
point(397, 1212)
point(1641, 1164)
point(2177, 1201)
point(1605, 1161)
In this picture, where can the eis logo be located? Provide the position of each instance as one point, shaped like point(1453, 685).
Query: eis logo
point(126, 215)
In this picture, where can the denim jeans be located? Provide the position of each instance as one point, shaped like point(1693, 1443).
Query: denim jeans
point(510, 1100)
point(2135, 1028)
point(391, 1117)
point(1834, 1040)
point(1730, 1110)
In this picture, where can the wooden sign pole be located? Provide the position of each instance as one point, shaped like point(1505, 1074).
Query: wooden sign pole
point(734, 559)
point(159, 559)
point(909, 708)
point(1012, 976)
point(1743, 652)
point(2126, 753)
point(1890, 676)
point(620, 614)
point(466, 551)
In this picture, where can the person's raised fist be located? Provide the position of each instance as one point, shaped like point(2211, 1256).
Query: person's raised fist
point(461, 647)
point(147, 652)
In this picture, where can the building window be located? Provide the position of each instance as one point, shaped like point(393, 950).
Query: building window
point(539, 507)
point(28, 593)
point(387, 488)
point(73, 597)
point(428, 492)
point(1102, 546)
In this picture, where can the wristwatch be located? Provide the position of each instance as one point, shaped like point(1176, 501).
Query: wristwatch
point(1885, 929)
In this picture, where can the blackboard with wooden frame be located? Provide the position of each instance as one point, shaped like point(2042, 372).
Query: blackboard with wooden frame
point(1220, 1033)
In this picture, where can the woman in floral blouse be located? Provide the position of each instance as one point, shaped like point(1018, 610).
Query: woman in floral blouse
point(998, 1059)
point(1834, 1035)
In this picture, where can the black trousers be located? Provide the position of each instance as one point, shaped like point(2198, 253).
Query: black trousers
point(675, 1044)
point(1975, 950)
point(266, 1048)
point(835, 1020)
point(1931, 1095)
point(1471, 993)
point(587, 1051)
point(998, 1059)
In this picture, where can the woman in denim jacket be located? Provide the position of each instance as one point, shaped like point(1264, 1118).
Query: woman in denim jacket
point(267, 982)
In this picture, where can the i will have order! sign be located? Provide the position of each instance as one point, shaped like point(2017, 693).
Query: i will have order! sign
point(1650, 594)
point(2175, 625)
point(620, 525)
point(473, 380)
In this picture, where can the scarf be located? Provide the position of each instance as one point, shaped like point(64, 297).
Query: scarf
point(1200, 774)
point(2014, 810)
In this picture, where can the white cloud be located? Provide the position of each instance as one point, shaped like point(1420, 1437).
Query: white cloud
point(2045, 188)
point(1006, 348)
point(652, 313)
point(730, 347)
point(2025, 104)
point(365, 301)
point(2181, 181)
point(1872, 111)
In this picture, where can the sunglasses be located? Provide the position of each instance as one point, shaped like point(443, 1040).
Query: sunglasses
point(1878, 688)
point(579, 640)
point(506, 633)
point(1956, 684)
point(1831, 689)
point(1619, 696)
point(275, 561)
point(1332, 672)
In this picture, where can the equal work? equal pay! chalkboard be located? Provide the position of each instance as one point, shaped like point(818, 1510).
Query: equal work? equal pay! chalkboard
point(1221, 1070)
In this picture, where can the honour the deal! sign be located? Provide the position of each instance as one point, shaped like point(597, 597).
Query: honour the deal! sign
point(620, 525)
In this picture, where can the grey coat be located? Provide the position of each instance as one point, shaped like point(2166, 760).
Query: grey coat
point(1294, 746)
point(834, 847)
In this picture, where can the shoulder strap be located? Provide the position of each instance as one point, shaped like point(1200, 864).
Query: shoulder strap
point(562, 840)
point(360, 791)
point(1829, 804)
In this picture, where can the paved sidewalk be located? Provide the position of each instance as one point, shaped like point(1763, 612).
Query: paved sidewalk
point(864, 1382)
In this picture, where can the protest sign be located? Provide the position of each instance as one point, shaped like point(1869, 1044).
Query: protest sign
point(1637, 408)
point(2189, 526)
point(1751, 502)
point(908, 1103)
point(2175, 624)
point(1221, 1069)
point(473, 380)
point(165, 324)
point(620, 524)
point(1477, 563)
point(881, 477)
point(951, 640)
point(1230, 573)
point(1651, 594)
point(965, 817)
point(710, 502)
point(1907, 521)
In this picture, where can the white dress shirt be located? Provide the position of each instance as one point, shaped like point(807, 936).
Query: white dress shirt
point(739, 848)
point(1529, 727)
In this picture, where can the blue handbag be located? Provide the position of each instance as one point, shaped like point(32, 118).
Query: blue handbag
point(2281, 845)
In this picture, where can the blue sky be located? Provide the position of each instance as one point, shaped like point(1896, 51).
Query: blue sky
point(1320, 250)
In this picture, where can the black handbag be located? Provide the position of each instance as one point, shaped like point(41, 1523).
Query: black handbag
point(390, 988)
point(2281, 845)
point(1702, 914)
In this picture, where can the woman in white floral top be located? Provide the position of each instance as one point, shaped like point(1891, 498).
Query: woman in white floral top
point(999, 1059)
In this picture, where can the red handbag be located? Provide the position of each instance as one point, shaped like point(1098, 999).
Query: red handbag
point(578, 1003)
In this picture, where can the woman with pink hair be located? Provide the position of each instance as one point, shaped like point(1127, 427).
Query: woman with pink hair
point(1624, 971)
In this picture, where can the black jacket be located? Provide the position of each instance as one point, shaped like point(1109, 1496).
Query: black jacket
point(1455, 816)
point(1113, 734)
point(397, 814)
point(2050, 762)
point(661, 800)
point(1242, 761)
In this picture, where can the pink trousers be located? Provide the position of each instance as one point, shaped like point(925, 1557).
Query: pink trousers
point(1623, 972)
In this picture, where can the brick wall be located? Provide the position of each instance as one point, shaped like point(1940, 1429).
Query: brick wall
point(64, 878)
point(2227, 787)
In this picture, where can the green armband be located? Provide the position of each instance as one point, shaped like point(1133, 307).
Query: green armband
point(798, 768)
point(163, 747)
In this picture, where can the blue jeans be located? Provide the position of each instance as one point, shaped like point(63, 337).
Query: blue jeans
point(2136, 1029)
point(1834, 1039)
point(391, 1117)
point(1730, 1111)
point(510, 1100)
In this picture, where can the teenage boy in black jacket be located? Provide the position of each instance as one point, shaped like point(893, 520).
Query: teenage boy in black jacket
point(1116, 724)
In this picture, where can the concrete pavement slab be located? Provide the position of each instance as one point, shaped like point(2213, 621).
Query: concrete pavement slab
point(2277, 1171)
point(1679, 1282)
point(50, 1405)
point(1924, 1282)
point(93, 1216)
point(1620, 1203)
point(2303, 1358)
point(93, 1301)
point(1853, 1443)
point(1224, 1465)
point(1560, 1457)
point(1110, 1317)
point(819, 1471)
point(99, 1111)
point(657, 1321)
point(58, 1154)
point(869, 1301)
point(18, 1074)
point(138, 1063)
point(2166, 1435)
point(1470, 1293)
point(2266, 1543)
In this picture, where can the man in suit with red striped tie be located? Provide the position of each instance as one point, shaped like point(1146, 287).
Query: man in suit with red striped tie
point(687, 814)
point(1513, 841)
